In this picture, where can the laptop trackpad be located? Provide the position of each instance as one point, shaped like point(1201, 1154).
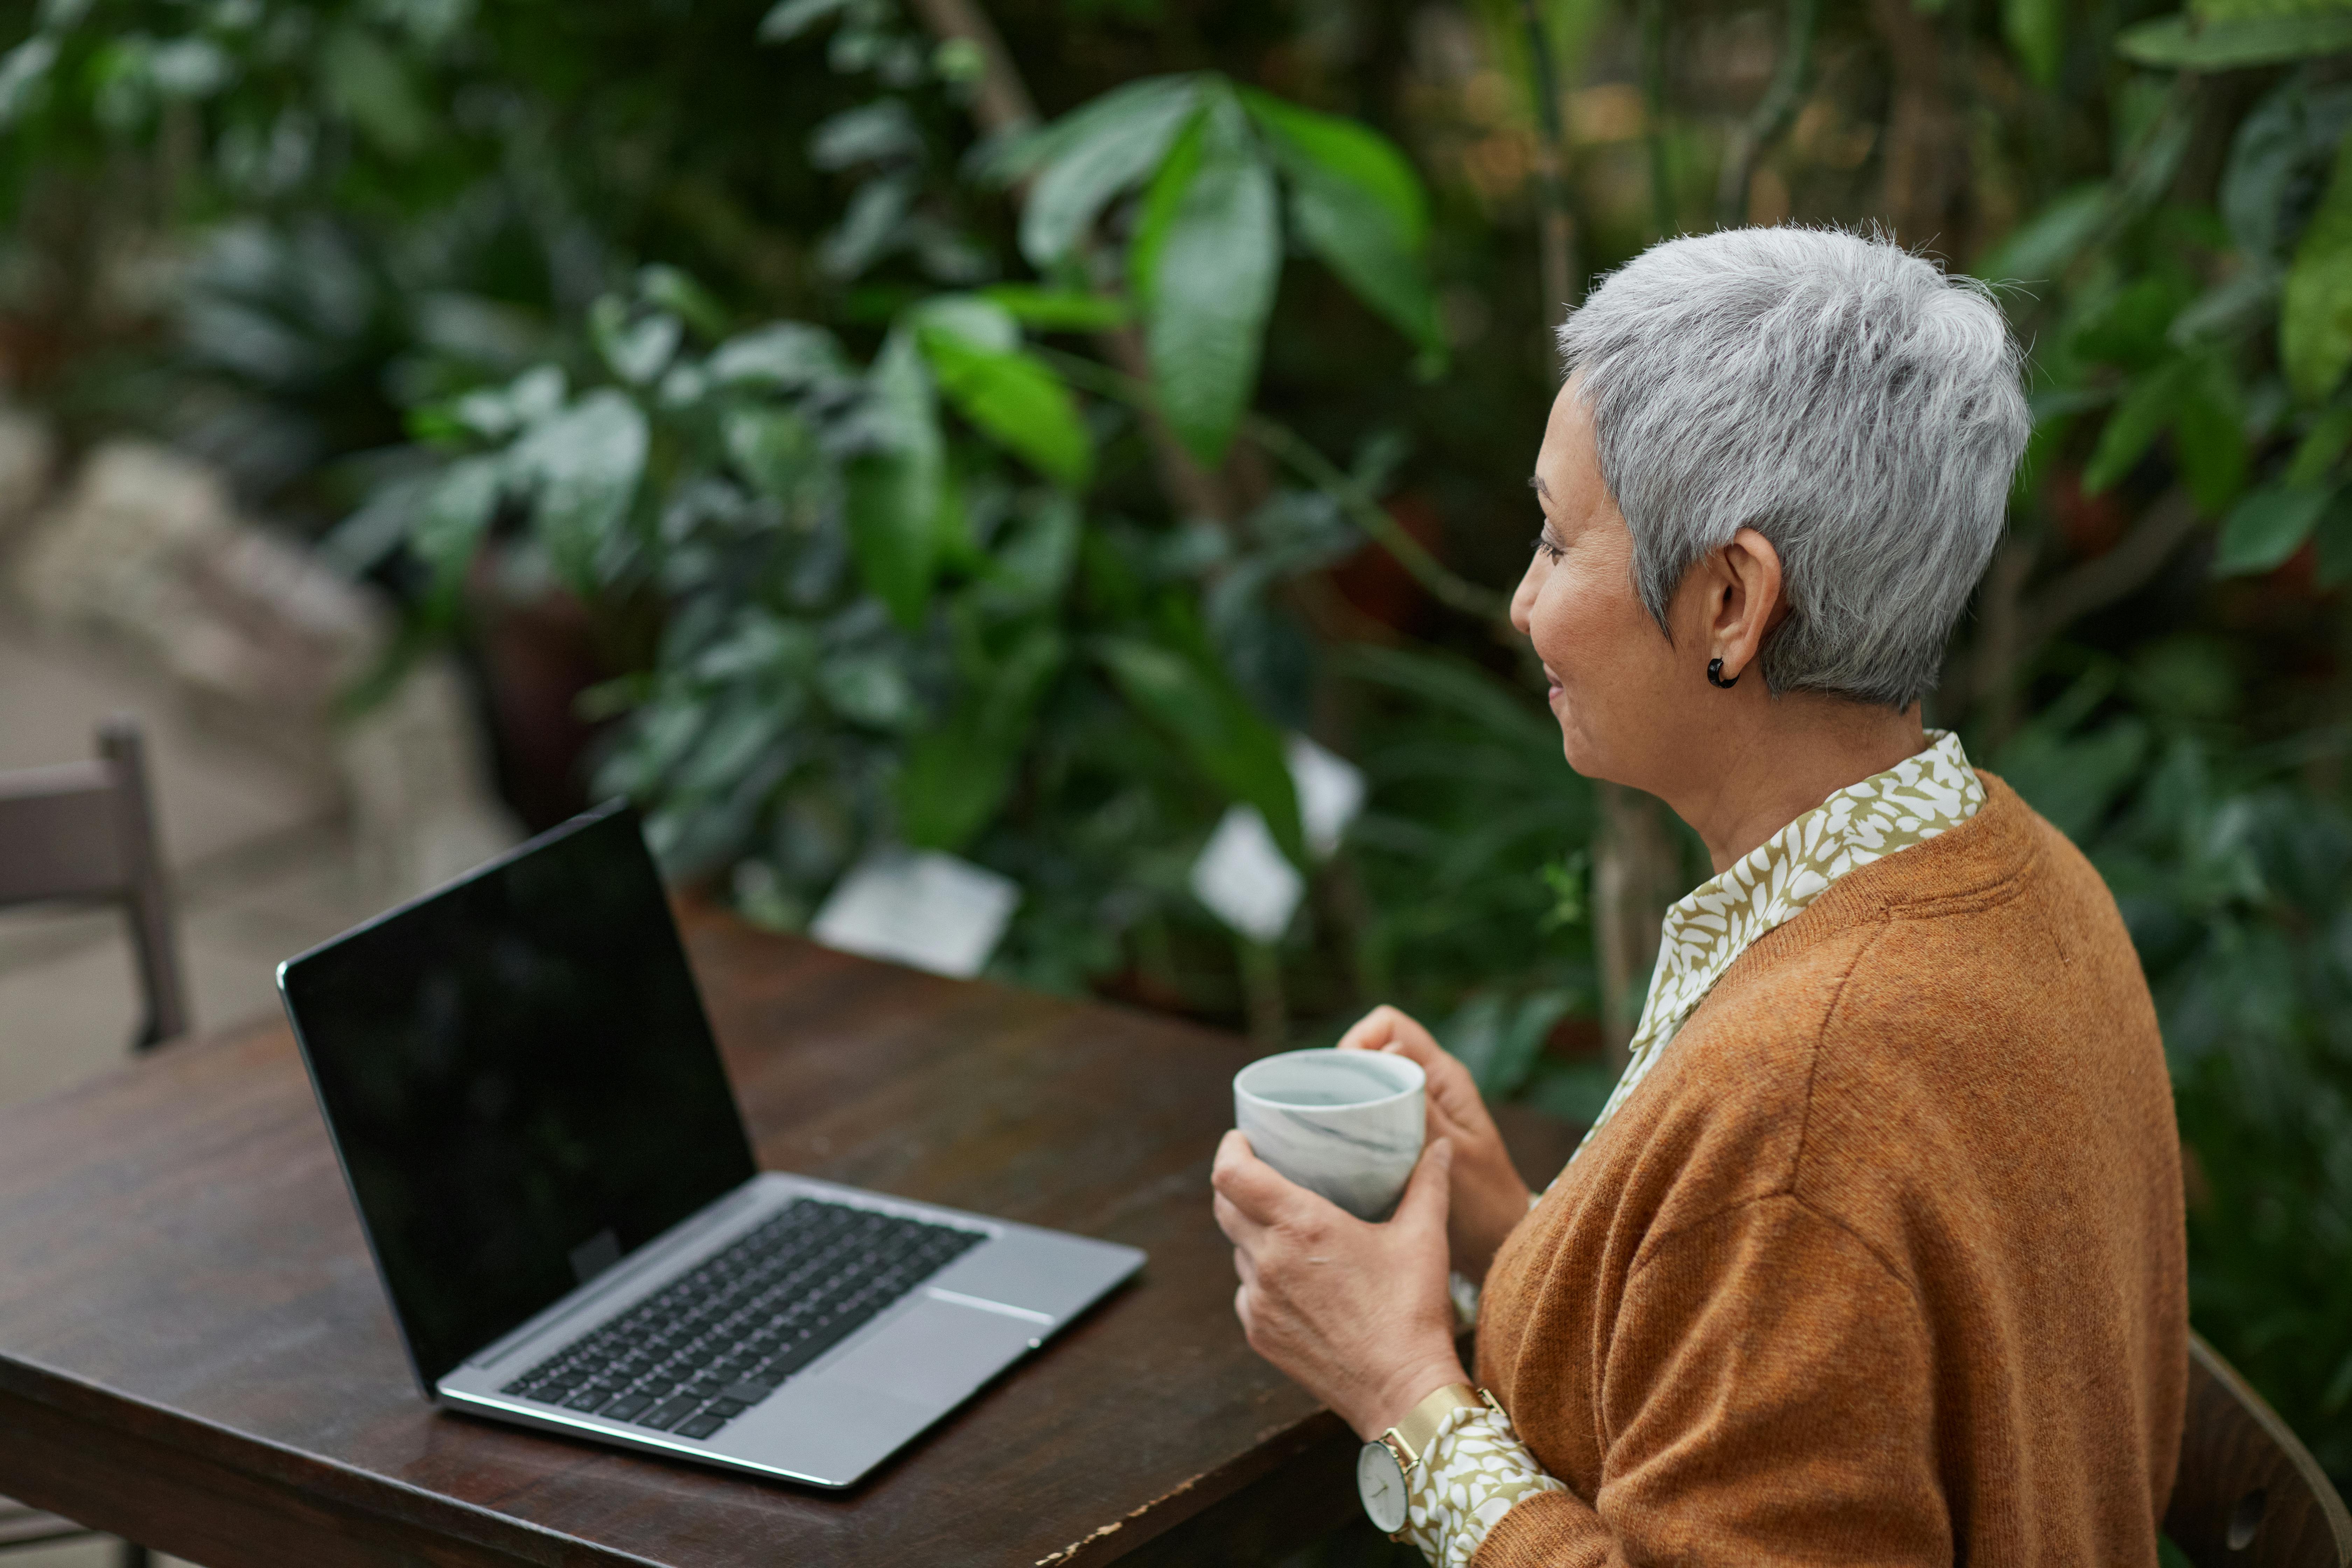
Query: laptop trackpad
point(935, 1350)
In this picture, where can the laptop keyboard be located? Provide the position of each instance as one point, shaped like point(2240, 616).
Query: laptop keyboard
point(717, 1341)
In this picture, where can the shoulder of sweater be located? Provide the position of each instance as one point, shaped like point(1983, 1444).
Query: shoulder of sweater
point(1965, 942)
point(2004, 853)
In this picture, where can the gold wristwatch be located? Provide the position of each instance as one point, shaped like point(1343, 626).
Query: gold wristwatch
point(1382, 1466)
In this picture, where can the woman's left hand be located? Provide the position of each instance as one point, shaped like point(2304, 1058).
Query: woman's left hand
point(1357, 1314)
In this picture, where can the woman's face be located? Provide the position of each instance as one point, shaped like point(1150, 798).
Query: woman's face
point(1617, 685)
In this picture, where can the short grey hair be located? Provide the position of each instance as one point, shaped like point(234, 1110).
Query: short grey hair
point(1836, 392)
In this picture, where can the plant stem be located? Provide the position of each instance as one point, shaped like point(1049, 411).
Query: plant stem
point(1555, 226)
point(1367, 513)
point(1770, 116)
point(1361, 507)
point(1652, 19)
point(1000, 99)
point(1269, 1013)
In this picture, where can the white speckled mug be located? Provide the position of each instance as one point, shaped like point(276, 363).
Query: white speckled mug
point(1347, 1124)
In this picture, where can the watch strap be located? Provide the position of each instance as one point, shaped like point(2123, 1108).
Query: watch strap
point(1410, 1439)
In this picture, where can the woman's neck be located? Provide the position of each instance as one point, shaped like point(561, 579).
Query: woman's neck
point(1790, 755)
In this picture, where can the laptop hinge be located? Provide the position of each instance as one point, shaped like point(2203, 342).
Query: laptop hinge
point(630, 1270)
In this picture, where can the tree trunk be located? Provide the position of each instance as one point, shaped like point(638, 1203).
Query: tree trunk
point(1924, 156)
point(1634, 877)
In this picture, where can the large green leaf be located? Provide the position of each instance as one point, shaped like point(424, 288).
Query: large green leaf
point(2316, 309)
point(2043, 247)
point(1101, 151)
point(2036, 31)
point(788, 355)
point(370, 85)
point(1347, 150)
point(2267, 527)
point(24, 73)
point(956, 776)
point(2209, 435)
point(894, 493)
point(2137, 420)
point(2287, 139)
point(1016, 401)
point(2320, 447)
point(1224, 737)
point(1057, 310)
point(1207, 281)
point(1357, 204)
point(1162, 199)
point(775, 449)
point(1032, 557)
point(2179, 43)
point(788, 19)
point(2334, 534)
point(584, 467)
point(975, 318)
point(455, 514)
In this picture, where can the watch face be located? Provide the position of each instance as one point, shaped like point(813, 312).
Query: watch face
point(1381, 1483)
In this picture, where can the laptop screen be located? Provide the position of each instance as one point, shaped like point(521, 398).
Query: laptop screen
point(519, 1079)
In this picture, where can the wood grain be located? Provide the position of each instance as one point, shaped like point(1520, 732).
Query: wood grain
point(2249, 1494)
point(195, 1350)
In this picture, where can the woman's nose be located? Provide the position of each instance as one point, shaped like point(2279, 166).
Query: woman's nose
point(1523, 602)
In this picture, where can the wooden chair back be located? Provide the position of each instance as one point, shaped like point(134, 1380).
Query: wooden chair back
point(2249, 1494)
point(87, 831)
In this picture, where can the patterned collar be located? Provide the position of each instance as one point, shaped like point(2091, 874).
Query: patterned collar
point(1910, 803)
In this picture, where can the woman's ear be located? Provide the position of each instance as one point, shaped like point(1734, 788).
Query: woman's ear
point(1749, 604)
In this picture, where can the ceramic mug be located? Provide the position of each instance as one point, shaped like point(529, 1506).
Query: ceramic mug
point(1347, 1124)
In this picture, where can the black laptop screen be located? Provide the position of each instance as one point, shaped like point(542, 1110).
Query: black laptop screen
point(517, 1074)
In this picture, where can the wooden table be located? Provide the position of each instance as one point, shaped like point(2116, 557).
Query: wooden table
point(195, 1350)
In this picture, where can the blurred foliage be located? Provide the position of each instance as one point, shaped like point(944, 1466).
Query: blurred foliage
point(1015, 489)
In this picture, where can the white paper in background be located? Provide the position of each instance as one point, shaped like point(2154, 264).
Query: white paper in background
point(924, 909)
point(1245, 879)
point(1330, 793)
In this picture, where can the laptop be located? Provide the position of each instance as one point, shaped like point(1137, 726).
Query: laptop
point(548, 1163)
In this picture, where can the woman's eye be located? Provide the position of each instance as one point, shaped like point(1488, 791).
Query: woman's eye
point(1545, 546)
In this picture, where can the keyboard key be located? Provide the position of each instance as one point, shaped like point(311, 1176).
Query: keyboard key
point(668, 1412)
point(747, 1391)
point(775, 1300)
point(726, 1409)
point(626, 1408)
point(702, 1426)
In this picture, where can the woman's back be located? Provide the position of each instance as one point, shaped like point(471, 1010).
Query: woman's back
point(1884, 1262)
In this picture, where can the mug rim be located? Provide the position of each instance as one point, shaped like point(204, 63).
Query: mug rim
point(1419, 1086)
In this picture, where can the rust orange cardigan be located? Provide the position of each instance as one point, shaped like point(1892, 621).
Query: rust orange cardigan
point(1885, 1262)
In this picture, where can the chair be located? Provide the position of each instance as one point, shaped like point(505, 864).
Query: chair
point(2249, 1494)
point(86, 831)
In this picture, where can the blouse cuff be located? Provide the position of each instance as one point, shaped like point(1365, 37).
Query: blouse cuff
point(1475, 1470)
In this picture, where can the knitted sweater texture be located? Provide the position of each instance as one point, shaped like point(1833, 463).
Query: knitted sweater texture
point(1885, 1262)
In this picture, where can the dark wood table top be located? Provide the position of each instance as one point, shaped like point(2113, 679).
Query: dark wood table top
point(194, 1350)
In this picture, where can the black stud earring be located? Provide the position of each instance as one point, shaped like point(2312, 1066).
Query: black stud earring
point(1715, 675)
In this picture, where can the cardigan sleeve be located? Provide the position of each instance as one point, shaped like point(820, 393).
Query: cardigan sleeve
point(1767, 1398)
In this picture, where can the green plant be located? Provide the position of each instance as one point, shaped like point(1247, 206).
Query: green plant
point(891, 609)
point(2231, 864)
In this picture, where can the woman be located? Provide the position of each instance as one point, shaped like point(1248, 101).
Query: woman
point(1877, 1254)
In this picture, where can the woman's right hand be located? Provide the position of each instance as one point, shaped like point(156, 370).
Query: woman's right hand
point(1488, 1197)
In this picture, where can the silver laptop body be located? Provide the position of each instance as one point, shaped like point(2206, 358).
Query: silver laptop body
point(523, 1091)
point(830, 1423)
